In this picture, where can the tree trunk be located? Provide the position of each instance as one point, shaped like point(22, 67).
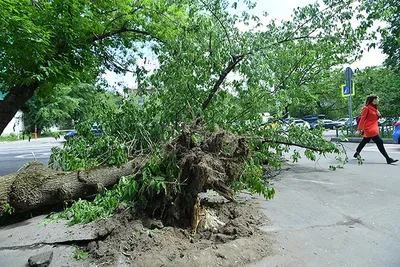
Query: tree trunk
point(13, 101)
point(37, 186)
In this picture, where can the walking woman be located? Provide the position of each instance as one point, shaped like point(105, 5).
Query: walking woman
point(368, 127)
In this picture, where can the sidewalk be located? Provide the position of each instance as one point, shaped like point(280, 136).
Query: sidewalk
point(347, 217)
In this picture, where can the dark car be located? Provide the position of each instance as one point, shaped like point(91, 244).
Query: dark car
point(98, 131)
point(313, 118)
point(70, 134)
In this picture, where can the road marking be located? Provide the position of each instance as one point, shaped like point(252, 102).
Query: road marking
point(23, 150)
point(312, 181)
point(381, 190)
point(39, 155)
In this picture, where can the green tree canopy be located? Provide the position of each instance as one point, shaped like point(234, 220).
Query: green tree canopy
point(383, 82)
point(387, 12)
point(44, 43)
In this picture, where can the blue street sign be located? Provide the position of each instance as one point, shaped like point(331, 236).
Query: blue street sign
point(346, 92)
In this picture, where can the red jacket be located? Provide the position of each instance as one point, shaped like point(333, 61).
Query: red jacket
point(369, 121)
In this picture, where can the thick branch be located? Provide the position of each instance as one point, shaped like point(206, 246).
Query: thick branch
point(231, 65)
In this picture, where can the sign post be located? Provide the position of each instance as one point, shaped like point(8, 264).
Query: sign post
point(139, 86)
point(349, 86)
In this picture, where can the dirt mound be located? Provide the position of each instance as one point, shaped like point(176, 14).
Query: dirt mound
point(143, 242)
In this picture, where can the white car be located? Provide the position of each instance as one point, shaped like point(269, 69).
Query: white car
point(298, 122)
point(345, 122)
point(342, 122)
point(302, 123)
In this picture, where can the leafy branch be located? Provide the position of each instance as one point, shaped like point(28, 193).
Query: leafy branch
point(231, 65)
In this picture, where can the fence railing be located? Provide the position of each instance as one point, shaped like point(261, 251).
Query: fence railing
point(385, 131)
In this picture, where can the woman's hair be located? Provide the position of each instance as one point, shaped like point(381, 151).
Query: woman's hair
point(369, 99)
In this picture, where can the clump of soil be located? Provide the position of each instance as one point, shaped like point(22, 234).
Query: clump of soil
point(144, 242)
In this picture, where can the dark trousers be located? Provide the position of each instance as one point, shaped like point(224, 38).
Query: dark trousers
point(379, 143)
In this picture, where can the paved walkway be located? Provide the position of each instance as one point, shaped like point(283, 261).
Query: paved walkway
point(347, 217)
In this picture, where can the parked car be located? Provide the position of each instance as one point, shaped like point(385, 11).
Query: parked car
point(313, 118)
point(301, 123)
point(396, 132)
point(297, 122)
point(96, 130)
point(345, 122)
point(386, 121)
point(342, 122)
point(327, 124)
point(70, 134)
point(353, 123)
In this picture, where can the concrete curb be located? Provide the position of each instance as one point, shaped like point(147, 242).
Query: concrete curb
point(358, 140)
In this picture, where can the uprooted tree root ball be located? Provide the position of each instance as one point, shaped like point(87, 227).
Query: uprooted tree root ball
point(142, 242)
point(206, 161)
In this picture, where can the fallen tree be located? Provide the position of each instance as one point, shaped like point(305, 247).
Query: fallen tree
point(192, 163)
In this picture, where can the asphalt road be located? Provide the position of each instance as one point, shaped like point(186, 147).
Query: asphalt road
point(14, 155)
point(347, 217)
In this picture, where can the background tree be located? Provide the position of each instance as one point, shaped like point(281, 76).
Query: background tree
point(48, 42)
point(44, 43)
point(387, 13)
point(323, 96)
point(69, 104)
point(382, 81)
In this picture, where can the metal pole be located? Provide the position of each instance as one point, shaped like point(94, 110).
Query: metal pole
point(349, 83)
point(349, 76)
point(139, 85)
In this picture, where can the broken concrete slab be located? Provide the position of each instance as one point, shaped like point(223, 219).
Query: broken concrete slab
point(32, 232)
point(20, 241)
point(63, 256)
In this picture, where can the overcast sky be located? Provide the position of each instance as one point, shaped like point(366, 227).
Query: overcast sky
point(279, 10)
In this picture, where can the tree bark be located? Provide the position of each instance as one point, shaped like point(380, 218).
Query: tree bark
point(13, 101)
point(37, 186)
